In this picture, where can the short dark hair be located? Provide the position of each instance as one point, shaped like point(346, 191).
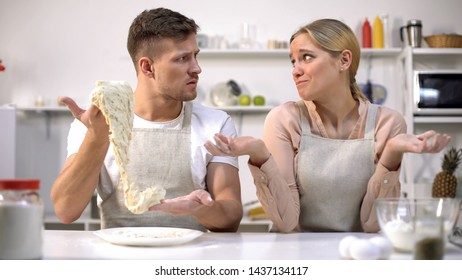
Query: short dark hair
point(151, 26)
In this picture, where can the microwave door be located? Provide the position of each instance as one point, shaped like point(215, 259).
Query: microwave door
point(439, 93)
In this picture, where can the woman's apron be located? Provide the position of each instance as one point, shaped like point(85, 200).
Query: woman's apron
point(332, 176)
point(160, 157)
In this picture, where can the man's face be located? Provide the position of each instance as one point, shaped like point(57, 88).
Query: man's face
point(176, 71)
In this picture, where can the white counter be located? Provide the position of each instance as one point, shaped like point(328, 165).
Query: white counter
point(211, 246)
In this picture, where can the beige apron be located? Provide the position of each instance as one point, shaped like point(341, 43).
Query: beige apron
point(157, 157)
point(332, 176)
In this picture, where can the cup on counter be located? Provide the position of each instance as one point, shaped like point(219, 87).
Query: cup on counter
point(429, 233)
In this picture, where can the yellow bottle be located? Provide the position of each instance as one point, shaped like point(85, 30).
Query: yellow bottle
point(377, 33)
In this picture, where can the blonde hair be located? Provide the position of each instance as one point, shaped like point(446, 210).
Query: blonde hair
point(333, 36)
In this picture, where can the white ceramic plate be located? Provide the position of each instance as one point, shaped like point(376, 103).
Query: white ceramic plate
point(148, 236)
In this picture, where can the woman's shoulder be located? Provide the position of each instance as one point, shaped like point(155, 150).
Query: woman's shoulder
point(391, 118)
point(285, 117)
point(288, 108)
point(389, 113)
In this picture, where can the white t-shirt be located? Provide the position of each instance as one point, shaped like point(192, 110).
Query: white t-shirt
point(205, 122)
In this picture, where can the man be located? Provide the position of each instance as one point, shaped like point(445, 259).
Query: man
point(203, 191)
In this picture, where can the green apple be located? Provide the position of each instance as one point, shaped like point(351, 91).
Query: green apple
point(259, 100)
point(245, 100)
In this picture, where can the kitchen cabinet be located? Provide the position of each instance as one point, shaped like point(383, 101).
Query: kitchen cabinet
point(419, 170)
point(7, 142)
point(48, 112)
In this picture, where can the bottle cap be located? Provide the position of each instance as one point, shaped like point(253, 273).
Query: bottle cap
point(19, 184)
point(414, 22)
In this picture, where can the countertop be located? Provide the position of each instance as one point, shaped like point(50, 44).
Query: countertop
point(63, 244)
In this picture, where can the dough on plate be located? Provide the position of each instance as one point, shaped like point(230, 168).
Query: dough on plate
point(115, 100)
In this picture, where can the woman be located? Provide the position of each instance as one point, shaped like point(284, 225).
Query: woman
point(325, 159)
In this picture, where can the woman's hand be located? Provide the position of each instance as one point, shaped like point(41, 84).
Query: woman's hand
point(184, 205)
point(239, 146)
point(427, 142)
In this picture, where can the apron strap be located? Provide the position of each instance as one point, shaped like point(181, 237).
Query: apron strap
point(187, 116)
point(370, 122)
point(306, 129)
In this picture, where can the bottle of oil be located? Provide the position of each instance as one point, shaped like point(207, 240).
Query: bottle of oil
point(377, 33)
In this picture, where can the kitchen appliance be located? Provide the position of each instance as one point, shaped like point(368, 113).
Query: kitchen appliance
point(437, 92)
point(225, 94)
point(414, 33)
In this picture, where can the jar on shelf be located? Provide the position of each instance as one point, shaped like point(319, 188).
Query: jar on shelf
point(21, 219)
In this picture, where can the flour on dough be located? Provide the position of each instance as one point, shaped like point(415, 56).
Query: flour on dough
point(115, 100)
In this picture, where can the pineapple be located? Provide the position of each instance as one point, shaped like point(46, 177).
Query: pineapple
point(445, 183)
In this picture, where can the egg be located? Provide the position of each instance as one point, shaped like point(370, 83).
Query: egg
point(363, 249)
point(386, 248)
point(344, 246)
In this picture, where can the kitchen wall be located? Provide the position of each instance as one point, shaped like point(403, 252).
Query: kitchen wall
point(52, 48)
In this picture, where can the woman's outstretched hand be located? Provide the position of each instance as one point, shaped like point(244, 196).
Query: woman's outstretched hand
point(244, 145)
point(427, 142)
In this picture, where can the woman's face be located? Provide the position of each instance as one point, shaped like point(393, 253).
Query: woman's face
point(315, 72)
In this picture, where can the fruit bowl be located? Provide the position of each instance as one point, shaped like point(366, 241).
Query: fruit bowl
point(398, 217)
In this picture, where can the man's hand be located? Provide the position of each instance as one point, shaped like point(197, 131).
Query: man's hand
point(92, 118)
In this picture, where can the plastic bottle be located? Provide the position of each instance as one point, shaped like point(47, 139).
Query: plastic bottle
point(367, 34)
point(377, 33)
point(386, 31)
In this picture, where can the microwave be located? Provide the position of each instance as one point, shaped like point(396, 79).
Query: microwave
point(437, 92)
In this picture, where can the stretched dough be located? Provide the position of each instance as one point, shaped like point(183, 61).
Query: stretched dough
point(115, 100)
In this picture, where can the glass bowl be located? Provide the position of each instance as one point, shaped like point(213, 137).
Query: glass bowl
point(398, 217)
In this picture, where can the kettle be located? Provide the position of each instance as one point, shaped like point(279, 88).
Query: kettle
point(414, 33)
point(226, 94)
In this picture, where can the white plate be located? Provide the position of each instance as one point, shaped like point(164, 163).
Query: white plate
point(148, 236)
